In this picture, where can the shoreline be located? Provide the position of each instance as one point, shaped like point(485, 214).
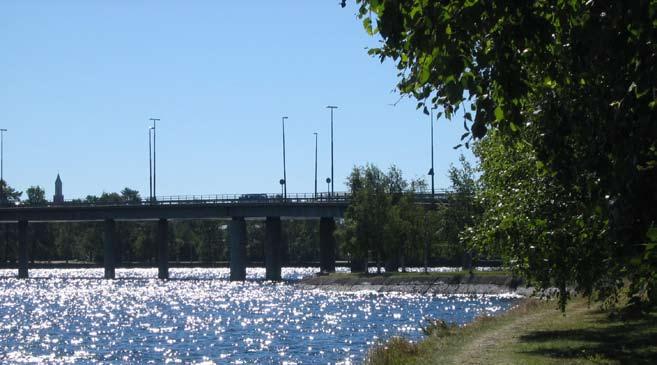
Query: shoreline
point(420, 283)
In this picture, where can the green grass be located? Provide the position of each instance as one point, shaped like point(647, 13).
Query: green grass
point(533, 333)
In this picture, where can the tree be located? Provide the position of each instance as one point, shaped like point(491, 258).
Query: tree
point(535, 223)
point(35, 196)
point(366, 215)
point(130, 196)
point(460, 212)
point(382, 218)
point(110, 198)
point(12, 195)
point(581, 76)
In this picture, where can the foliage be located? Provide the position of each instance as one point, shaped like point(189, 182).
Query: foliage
point(382, 217)
point(535, 222)
point(579, 75)
point(460, 211)
point(35, 195)
point(12, 195)
point(130, 195)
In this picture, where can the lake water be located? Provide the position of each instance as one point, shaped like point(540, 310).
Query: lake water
point(74, 316)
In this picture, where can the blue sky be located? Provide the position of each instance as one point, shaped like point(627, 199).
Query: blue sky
point(79, 80)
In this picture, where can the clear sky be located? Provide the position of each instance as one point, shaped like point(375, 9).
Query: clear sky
point(79, 80)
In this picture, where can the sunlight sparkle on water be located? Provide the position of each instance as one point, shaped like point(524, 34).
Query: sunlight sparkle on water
point(73, 316)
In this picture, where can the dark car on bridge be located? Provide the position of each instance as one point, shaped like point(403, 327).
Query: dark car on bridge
point(253, 198)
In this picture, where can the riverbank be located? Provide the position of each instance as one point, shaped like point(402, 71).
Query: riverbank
point(446, 283)
point(534, 332)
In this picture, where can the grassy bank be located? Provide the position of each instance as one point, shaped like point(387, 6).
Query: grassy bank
point(534, 333)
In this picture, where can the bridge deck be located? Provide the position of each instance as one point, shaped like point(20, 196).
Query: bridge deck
point(297, 206)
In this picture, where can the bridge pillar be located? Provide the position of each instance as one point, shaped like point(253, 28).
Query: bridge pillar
point(237, 231)
point(22, 250)
point(108, 255)
point(326, 244)
point(163, 249)
point(273, 247)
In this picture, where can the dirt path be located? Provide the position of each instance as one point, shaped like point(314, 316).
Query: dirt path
point(489, 348)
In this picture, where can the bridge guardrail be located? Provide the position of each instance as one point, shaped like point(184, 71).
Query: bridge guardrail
point(220, 199)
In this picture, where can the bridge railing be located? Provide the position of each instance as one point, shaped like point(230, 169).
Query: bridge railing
point(219, 199)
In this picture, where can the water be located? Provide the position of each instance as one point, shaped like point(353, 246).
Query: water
point(74, 316)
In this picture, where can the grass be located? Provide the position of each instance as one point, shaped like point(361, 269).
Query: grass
point(533, 333)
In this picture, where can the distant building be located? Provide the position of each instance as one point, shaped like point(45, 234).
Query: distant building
point(59, 196)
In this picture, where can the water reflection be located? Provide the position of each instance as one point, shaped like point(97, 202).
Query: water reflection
point(75, 316)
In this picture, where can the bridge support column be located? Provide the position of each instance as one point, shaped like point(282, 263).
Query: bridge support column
point(109, 249)
point(237, 231)
point(22, 250)
point(273, 247)
point(163, 249)
point(326, 244)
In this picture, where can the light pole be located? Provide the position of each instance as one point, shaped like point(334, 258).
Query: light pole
point(328, 186)
point(315, 164)
point(432, 171)
point(154, 193)
point(2, 167)
point(150, 166)
point(332, 108)
point(284, 170)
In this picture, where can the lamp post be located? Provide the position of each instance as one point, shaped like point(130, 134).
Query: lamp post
point(154, 193)
point(432, 171)
point(150, 166)
point(328, 185)
point(315, 164)
point(332, 108)
point(2, 167)
point(284, 170)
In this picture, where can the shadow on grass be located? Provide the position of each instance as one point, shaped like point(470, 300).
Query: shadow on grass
point(631, 342)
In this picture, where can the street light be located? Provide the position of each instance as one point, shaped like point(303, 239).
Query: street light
point(328, 185)
point(284, 171)
point(2, 158)
point(150, 166)
point(315, 164)
point(432, 172)
point(332, 108)
point(154, 193)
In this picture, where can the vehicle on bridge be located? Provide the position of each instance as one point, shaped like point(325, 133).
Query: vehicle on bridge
point(253, 197)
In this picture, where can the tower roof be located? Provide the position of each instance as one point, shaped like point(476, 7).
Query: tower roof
point(58, 178)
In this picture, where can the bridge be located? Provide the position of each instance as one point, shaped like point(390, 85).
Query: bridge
point(236, 208)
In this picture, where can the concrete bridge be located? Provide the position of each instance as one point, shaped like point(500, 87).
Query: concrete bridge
point(236, 208)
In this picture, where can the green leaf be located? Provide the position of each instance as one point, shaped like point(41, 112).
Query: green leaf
point(424, 75)
point(499, 114)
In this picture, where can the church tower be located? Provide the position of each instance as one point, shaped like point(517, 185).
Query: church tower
point(59, 197)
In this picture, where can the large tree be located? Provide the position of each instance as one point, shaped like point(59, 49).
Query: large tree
point(35, 196)
point(580, 74)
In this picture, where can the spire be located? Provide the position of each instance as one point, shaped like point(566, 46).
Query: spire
point(59, 196)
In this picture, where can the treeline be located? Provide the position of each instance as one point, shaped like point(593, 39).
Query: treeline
point(385, 224)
